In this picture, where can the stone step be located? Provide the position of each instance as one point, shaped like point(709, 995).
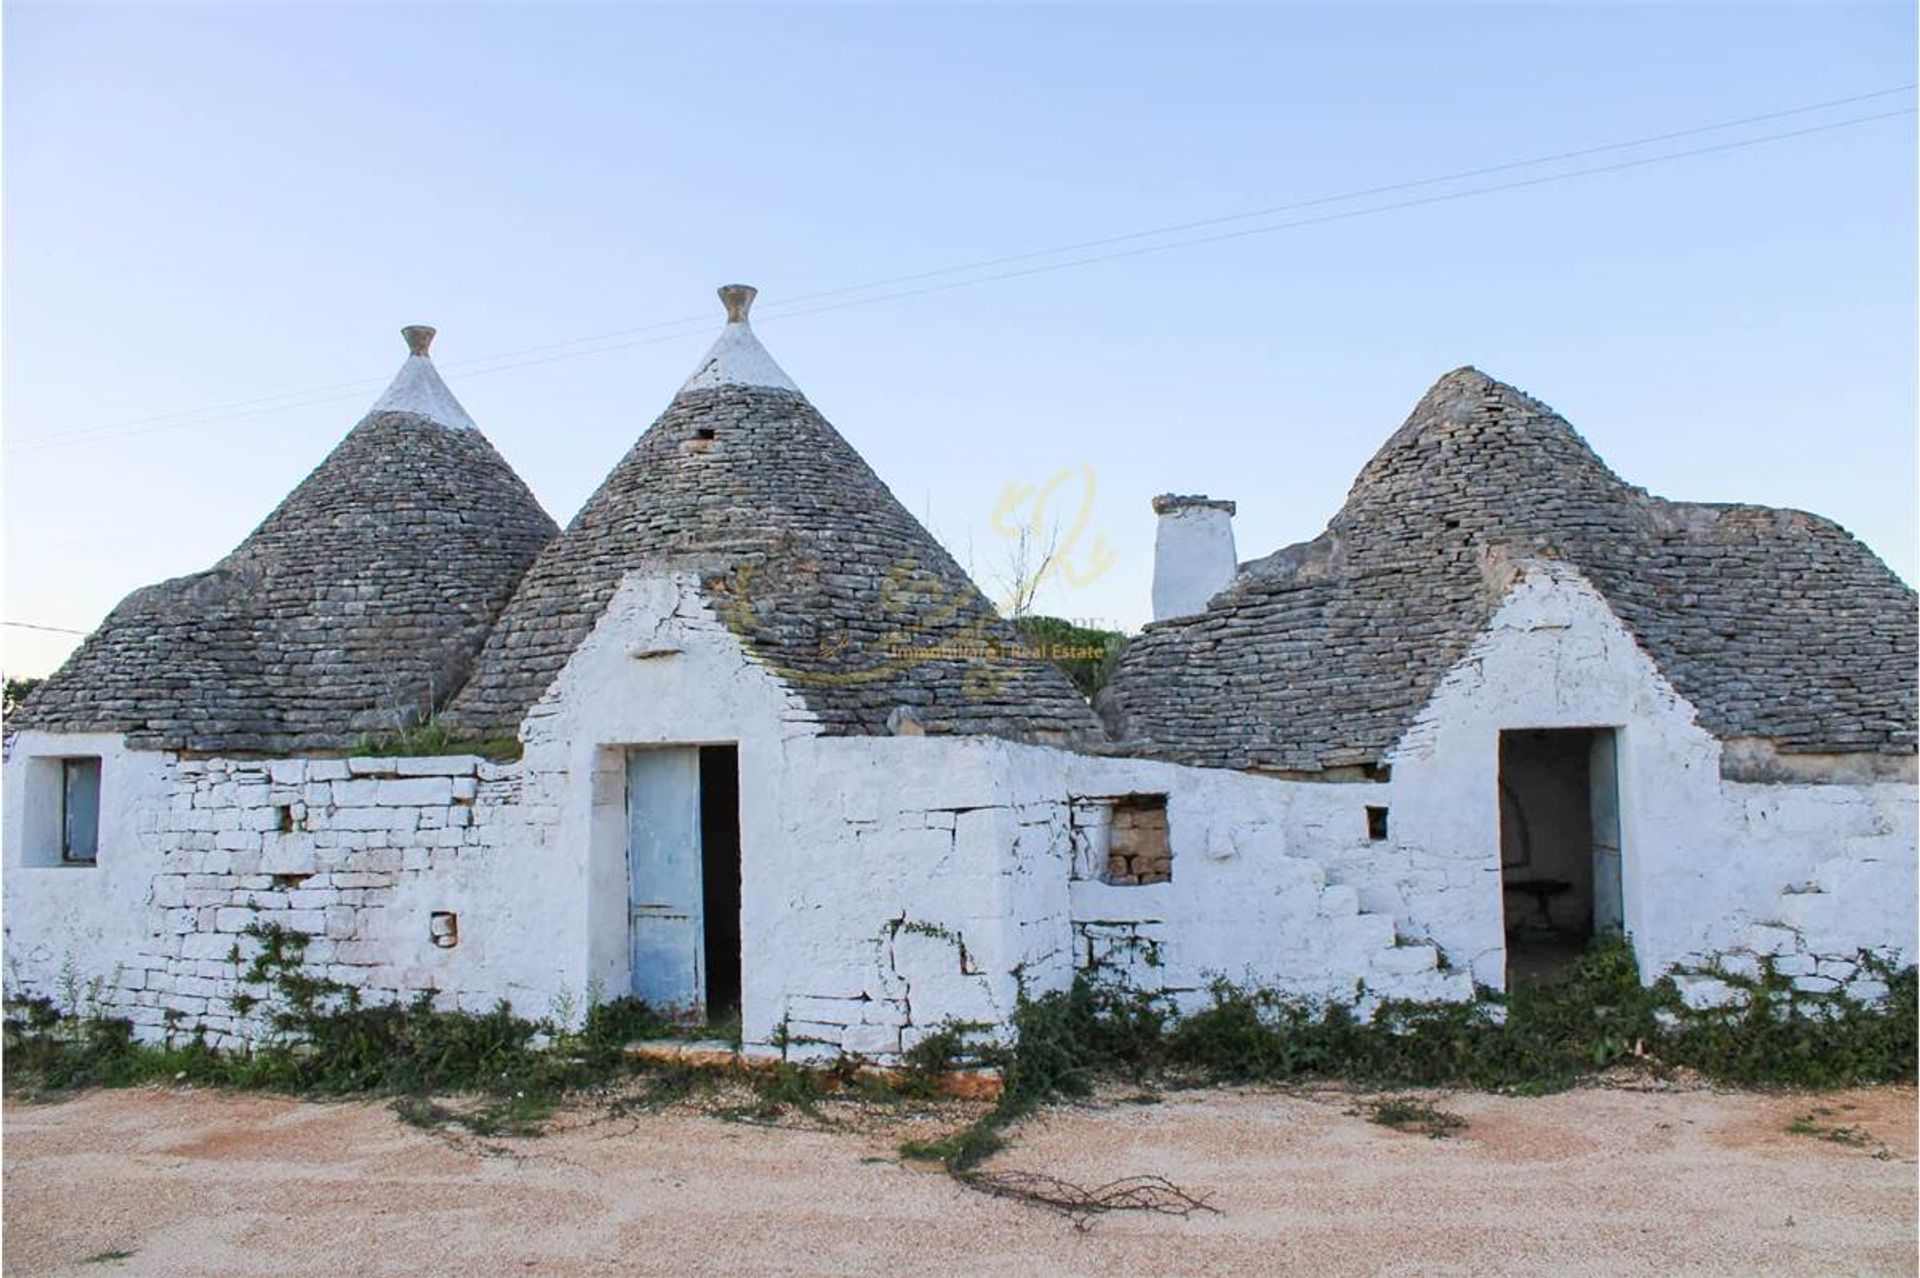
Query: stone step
point(713, 1054)
point(1406, 960)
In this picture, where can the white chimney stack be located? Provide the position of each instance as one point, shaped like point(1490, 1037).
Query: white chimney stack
point(1193, 554)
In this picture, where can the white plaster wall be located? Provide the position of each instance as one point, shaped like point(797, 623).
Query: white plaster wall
point(1702, 859)
point(658, 668)
point(88, 921)
point(1250, 899)
point(1818, 873)
point(356, 853)
point(867, 864)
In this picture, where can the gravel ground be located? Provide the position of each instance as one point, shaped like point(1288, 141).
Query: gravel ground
point(1595, 1181)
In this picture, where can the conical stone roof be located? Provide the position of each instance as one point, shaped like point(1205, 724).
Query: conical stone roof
point(356, 608)
point(1775, 624)
point(804, 553)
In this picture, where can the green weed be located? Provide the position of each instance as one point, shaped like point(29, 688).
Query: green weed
point(1538, 1039)
point(1403, 1113)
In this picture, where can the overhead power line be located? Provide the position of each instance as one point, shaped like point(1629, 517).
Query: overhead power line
point(795, 306)
point(28, 625)
point(1356, 213)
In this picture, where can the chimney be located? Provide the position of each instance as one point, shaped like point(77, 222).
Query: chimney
point(1193, 555)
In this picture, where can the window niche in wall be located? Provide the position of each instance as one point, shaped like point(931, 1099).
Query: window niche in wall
point(79, 811)
point(1123, 840)
point(62, 811)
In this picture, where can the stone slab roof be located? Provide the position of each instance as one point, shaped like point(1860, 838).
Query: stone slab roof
point(356, 608)
point(1775, 624)
point(805, 554)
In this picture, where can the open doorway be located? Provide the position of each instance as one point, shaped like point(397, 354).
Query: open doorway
point(1559, 846)
point(720, 877)
point(683, 870)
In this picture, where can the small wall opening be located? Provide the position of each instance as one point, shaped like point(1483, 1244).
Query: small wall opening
point(1139, 846)
point(1376, 824)
point(720, 876)
point(1559, 846)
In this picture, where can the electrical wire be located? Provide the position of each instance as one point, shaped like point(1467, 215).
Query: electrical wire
point(794, 306)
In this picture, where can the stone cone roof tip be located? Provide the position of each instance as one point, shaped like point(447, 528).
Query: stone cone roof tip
point(356, 607)
point(736, 357)
point(417, 387)
point(803, 553)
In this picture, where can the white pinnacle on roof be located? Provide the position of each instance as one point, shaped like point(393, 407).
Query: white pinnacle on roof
point(737, 358)
point(417, 388)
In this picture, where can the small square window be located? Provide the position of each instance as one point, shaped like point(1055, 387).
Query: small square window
point(1376, 824)
point(79, 811)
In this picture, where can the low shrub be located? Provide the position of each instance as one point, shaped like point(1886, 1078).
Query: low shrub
point(1539, 1038)
point(318, 1038)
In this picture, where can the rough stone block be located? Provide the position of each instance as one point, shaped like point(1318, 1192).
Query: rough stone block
point(1406, 960)
point(1340, 900)
point(438, 766)
point(261, 820)
point(287, 771)
point(375, 819)
point(1703, 991)
point(289, 854)
point(871, 1040)
point(311, 922)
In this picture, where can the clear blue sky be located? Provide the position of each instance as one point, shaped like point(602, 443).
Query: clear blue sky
point(207, 205)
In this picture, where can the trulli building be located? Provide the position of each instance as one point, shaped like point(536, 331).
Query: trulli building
point(770, 749)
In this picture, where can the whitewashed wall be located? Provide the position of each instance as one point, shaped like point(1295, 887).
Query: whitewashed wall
point(357, 853)
point(1704, 859)
point(80, 924)
point(1251, 899)
point(892, 883)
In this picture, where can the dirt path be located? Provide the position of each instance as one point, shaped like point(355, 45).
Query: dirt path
point(1589, 1182)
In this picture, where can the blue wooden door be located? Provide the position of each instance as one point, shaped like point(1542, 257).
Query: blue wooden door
point(663, 868)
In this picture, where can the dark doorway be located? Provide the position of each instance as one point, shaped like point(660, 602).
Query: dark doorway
point(1559, 846)
point(720, 877)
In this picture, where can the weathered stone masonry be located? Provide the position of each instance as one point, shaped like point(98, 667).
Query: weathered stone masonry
point(325, 847)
